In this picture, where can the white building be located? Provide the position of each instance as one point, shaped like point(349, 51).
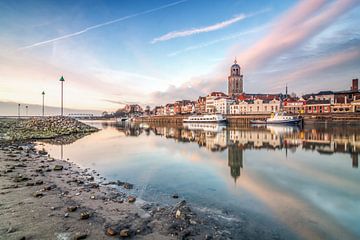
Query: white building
point(222, 104)
point(256, 106)
point(210, 101)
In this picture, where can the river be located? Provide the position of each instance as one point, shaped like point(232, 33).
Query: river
point(276, 182)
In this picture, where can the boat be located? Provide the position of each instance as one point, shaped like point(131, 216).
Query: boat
point(279, 118)
point(122, 119)
point(211, 118)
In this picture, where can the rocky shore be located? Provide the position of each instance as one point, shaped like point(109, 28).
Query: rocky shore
point(41, 128)
point(46, 198)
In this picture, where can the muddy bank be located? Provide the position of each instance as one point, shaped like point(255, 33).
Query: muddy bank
point(41, 128)
point(46, 198)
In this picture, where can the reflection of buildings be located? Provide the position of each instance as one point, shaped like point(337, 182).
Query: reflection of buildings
point(235, 140)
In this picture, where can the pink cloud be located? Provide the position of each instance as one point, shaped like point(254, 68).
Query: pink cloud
point(297, 26)
point(300, 24)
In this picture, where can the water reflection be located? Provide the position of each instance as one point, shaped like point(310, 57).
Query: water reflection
point(218, 138)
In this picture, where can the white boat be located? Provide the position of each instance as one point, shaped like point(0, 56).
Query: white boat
point(213, 118)
point(279, 118)
point(122, 119)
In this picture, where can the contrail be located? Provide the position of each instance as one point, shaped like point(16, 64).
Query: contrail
point(210, 28)
point(101, 25)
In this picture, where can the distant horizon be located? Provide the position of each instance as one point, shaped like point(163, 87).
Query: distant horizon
point(157, 52)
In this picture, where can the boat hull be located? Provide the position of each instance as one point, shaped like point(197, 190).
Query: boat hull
point(287, 122)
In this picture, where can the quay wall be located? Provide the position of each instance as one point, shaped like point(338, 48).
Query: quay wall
point(245, 119)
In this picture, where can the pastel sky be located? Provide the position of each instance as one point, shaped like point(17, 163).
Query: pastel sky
point(153, 52)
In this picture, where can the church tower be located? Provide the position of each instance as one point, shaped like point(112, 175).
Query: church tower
point(235, 80)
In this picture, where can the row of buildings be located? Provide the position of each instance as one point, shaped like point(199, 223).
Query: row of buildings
point(236, 102)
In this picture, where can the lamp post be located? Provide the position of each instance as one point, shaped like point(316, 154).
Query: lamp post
point(19, 110)
point(43, 103)
point(27, 110)
point(62, 80)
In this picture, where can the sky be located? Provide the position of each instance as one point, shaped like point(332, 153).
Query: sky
point(113, 53)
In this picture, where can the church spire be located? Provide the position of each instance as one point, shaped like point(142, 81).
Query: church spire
point(235, 61)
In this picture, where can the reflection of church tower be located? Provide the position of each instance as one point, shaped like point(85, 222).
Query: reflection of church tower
point(235, 160)
point(355, 160)
point(235, 80)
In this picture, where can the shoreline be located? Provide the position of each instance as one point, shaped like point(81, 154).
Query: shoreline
point(46, 198)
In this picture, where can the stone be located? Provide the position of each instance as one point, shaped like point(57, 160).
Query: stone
point(175, 196)
point(79, 236)
point(43, 152)
point(84, 215)
point(11, 230)
point(66, 215)
point(72, 208)
point(39, 182)
point(29, 184)
point(131, 199)
point(38, 194)
point(110, 231)
point(178, 214)
point(193, 222)
point(92, 197)
point(21, 178)
point(128, 186)
point(125, 233)
point(58, 168)
point(90, 178)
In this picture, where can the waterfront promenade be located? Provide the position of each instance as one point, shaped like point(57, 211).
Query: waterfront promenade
point(245, 119)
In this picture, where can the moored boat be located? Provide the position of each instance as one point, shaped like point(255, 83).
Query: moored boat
point(122, 119)
point(279, 118)
point(213, 118)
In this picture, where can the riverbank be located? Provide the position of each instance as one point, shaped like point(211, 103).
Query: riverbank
point(343, 118)
point(46, 198)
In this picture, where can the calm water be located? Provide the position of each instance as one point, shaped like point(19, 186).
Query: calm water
point(286, 181)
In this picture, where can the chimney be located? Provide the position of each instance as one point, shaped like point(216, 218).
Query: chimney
point(355, 85)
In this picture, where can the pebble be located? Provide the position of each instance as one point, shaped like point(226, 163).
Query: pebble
point(39, 182)
point(125, 233)
point(110, 231)
point(84, 215)
point(72, 208)
point(131, 199)
point(178, 213)
point(58, 168)
point(79, 236)
point(38, 194)
point(66, 215)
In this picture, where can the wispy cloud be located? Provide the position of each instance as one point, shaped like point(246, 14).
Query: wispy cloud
point(297, 26)
point(70, 35)
point(210, 28)
point(226, 38)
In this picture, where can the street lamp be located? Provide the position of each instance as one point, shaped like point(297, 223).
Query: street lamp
point(43, 103)
point(62, 80)
point(27, 110)
point(19, 110)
